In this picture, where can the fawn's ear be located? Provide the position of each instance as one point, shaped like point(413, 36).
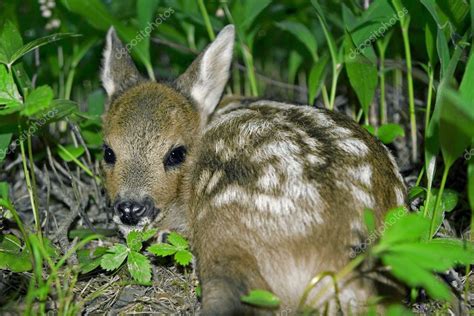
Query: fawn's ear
point(204, 81)
point(118, 70)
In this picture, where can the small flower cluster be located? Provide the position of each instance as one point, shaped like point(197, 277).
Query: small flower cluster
point(46, 8)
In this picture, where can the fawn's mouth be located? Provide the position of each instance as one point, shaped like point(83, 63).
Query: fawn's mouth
point(140, 223)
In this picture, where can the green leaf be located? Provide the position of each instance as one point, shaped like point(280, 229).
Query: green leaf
point(443, 51)
point(387, 133)
point(177, 240)
point(401, 227)
point(362, 74)
point(246, 11)
point(114, 257)
point(9, 95)
point(183, 257)
point(316, 78)
point(415, 192)
point(139, 267)
point(38, 43)
point(449, 200)
point(12, 255)
point(261, 298)
point(10, 41)
point(89, 259)
point(303, 34)
point(5, 140)
point(70, 152)
point(95, 103)
point(455, 124)
point(149, 234)
point(413, 275)
point(162, 249)
point(134, 240)
point(38, 100)
point(329, 38)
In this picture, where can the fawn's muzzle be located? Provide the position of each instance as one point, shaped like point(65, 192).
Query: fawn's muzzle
point(130, 211)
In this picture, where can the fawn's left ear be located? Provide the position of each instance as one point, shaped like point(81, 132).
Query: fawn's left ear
point(118, 70)
point(204, 81)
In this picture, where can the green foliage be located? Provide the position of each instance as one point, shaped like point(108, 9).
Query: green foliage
point(176, 245)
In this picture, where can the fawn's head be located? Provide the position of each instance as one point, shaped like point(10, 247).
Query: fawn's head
point(150, 128)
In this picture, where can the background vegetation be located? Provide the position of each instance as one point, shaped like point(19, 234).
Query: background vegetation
point(404, 69)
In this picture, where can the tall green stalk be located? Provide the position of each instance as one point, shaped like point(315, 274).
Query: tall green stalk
point(207, 20)
point(405, 24)
point(438, 201)
point(246, 54)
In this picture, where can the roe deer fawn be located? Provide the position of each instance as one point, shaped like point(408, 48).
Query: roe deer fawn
point(270, 194)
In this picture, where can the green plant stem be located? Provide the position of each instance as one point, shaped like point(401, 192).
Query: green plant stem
point(335, 76)
point(438, 200)
point(77, 162)
point(207, 21)
point(30, 190)
point(430, 96)
point(383, 103)
point(405, 22)
point(247, 56)
point(324, 92)
point(336, 278)
point(69, 82)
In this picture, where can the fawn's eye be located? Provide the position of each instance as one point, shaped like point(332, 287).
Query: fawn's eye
point(109, 155)
point(175, 157)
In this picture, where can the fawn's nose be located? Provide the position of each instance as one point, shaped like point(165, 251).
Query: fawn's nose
point(130, 211)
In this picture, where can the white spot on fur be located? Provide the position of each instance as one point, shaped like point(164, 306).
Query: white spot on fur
point(353, 146)
point(340, 131)
point(203, 180)
point(363, 174)
point(315, 159)
point(213, 181)
point(269, 180)
point(283, 148)
point(358, 194)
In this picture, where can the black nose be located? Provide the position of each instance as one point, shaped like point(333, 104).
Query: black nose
point(130, 211)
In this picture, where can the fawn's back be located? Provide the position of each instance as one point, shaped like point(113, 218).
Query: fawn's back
point(270, 194)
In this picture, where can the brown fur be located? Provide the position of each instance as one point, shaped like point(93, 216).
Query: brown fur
point(270, 194)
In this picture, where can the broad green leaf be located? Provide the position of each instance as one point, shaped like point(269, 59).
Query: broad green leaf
point(139, 267)
point(294, 62)
point(97, 15)
point(9, 95)
point(183, 257)
point(449, 200)
point(387, 133)
point(316, 78)
point(470, 183)
point(467, 83)
point(401, 227)
point(57, 110)
point(10, 41)
point(162, 249)
point(261, 298)
point(455, 125)
point(95, 102)
point(415, 192)
point(38, 100)
point(10, 244)
point(149, 234)
point(177, 240)
point(5, 140)
point(362, 74)
point(413, 275)
point(430, 42)
point(90, 259)
point(70, 152)
point(134, 240)
point(114, 257)
point(370, 129)
point(303, 34)
point(443, 51)
point(15, 262)
point(246, 11)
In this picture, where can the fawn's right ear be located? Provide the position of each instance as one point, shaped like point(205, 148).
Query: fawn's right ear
point(118, 70)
